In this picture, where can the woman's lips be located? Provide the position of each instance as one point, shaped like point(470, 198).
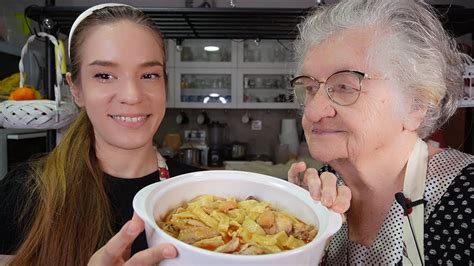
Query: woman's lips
point(323, 131)
point(130, 121)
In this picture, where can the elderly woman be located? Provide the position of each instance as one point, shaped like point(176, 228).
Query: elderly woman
point(375, 78)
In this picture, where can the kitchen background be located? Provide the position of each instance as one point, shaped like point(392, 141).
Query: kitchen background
point(248, 75)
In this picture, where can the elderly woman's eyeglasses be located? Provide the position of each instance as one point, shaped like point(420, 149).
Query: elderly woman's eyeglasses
point(342, 87)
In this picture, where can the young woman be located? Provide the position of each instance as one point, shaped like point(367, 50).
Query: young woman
point(66, 208)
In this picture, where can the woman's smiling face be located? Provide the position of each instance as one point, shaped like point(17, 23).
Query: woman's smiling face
point(122, 83)
point(363, 129)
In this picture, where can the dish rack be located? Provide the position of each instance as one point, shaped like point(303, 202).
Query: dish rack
point(39, 114)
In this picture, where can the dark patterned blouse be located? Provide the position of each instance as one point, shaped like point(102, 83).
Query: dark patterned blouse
point(448, 220)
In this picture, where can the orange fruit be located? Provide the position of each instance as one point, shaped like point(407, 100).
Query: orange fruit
point(22, 94)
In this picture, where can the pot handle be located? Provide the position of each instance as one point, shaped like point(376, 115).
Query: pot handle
point(334, 223)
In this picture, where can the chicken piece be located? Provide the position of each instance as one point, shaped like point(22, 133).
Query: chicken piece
point(230, 247)
point(271, 230)
point(283, 223)
point(170, 229)
point(186, 223)
point(227, 205)
point(305, 232)
point(266, 219)
point(194, 234)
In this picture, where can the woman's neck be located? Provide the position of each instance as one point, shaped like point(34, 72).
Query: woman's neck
point(127, 163)
point(373, 179)
point(377, 170)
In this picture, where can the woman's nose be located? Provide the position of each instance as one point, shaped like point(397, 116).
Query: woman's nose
point(319, 106)
point(130, 93)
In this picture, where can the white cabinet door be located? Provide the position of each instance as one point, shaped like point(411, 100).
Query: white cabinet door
point(205, 88)
point(265, 53)
point(170, 69)
point(170, 86)
point(468, 97)
point(264, 88)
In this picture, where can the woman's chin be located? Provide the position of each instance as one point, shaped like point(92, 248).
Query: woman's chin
point(323, 155)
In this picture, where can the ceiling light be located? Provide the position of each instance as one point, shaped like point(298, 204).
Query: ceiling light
point(214, 95)
point(211, 48)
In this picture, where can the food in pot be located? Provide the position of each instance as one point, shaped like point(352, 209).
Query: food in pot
point(248, 227)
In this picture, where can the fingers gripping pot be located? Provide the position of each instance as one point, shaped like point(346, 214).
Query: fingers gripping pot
point(39, 114)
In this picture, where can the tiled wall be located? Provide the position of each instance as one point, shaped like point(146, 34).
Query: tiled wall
point(259, 142)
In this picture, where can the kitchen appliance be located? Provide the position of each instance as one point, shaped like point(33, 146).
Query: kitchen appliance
point(195, 139)
point(190, 156)
point(216, 147)
point(19, 145)
point(238, 150)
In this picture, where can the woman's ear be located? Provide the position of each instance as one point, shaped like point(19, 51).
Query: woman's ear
point(415, 117)
point(75, 91)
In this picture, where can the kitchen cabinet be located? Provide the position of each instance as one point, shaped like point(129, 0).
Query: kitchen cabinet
point(265, 53)
point(468, 97)
point(170, 68)
point(206, 53)
point(205, 88)
point(9, 48)
point(264, 88)
point(264, 72)
point(237, 74)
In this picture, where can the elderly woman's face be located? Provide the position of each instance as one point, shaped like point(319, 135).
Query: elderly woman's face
point(360, 130)
point(122, 84)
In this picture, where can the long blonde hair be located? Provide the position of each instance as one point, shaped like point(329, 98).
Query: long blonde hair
point(71, 210)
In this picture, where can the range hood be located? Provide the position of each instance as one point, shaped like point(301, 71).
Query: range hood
point(233, 23)
point(197, 23)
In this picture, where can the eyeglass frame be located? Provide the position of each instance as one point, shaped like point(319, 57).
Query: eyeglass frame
point(361, 75)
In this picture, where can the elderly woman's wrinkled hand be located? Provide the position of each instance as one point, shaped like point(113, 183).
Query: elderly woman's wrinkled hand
point(117, 250)
point(322, 188)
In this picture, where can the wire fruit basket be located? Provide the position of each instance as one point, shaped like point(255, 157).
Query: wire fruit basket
point(38, 114)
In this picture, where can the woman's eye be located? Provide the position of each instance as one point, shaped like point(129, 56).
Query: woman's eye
point(343, 88)
point(151, 76)
point(312, 89)
point(103, 76)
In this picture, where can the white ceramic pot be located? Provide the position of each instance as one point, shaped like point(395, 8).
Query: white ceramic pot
point(155, 201)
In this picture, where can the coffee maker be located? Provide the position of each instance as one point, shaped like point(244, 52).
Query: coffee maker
point(216, 145)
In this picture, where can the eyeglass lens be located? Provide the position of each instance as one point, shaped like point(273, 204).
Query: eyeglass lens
point(342, 88)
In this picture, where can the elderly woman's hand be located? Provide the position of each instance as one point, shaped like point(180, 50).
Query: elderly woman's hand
point(117, 250)
point(322, 188)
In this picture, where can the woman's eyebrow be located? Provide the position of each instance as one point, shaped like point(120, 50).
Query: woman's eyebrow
point(152, 63)
point(113, 64)
point(103, 63)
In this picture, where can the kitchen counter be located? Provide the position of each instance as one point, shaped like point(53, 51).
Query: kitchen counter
point(266, 168)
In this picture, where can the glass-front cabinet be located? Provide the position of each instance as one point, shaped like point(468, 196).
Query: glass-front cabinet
point(206, 73)
point(206, 53)
point(264, 88)
point(205, 88)
point(170, 49)
point(265, 53)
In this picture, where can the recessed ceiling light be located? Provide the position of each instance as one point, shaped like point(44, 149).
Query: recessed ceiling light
point(211, 48)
